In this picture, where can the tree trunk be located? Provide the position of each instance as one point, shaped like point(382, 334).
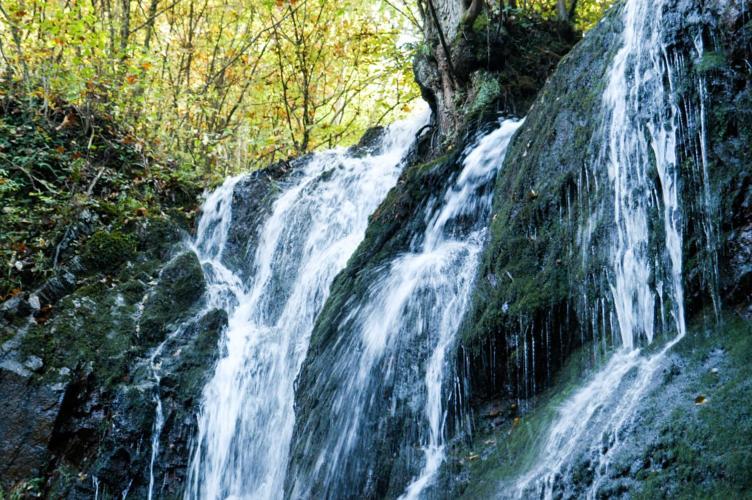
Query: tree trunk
point(150, 23)
point(572, 10)
point(561, 10)
point(125, 27)
point(472, 11)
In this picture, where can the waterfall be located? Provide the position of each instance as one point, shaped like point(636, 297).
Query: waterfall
point(641, 120)
point(246, 418)
point(480, 167)
point(417, 297)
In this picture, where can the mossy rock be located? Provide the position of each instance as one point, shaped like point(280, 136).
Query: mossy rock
point(107, 250)
point(181, 284)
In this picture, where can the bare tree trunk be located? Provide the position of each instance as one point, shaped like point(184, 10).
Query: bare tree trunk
point(150, 23)
point(15, 33)
point(125, 27)
point(442, 40)
point(561, 10)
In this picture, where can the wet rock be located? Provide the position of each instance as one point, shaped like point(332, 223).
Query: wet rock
point(181, 284)
point(14, 307)
point(34, 363)
point(252, 200)
point(125, 452)
point(35, 303)
point(27, 419)
point(740, 263)
point(369, 141)
point(57, 287)
point(106, 251)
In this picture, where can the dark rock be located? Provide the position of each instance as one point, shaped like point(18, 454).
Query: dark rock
point(181, 284)
point(369, 142)
point(15, 307)
point(34, 363)
point(252, 200)
point(27, 420)
point(558, 267)
point(106, 251)
point(57, 287)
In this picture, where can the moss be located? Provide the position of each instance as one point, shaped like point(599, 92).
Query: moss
point(91, 327)
point(31, 488)
point(711, 61)
point(430, 165)
point(510, 449)
point(532, 272)
point(704, 451)
point(683, 450)
point(158, 234)
point(181, 284)
point(133, 291)
point(106, 251)
point(481, 22)
point(487, 92)
point(196, 362)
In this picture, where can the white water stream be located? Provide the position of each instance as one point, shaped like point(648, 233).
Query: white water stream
point(247, 415)
point(417, 298)
point(640, 134)
point(480, 167)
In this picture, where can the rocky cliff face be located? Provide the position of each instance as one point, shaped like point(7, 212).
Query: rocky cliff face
point(534, 320)
point(534, 315)
point(87, 384)
point(387, 458)
point(538, 254)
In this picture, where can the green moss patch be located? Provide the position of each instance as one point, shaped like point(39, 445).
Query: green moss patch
point(106, 251)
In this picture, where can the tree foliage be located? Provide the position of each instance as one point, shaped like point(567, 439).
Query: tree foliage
point(581, 14)
point(220, 82)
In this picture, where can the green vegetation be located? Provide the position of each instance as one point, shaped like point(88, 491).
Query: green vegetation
point(93, 325)
point(60, 184)
point(115, 113)
point(711, 61)
point(580, 15)
point(488, 91)
point(180, 285)
point(107, 250)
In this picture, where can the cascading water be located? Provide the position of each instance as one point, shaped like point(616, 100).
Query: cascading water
point(247, 414)
point(640, 126)
point(480, 167)
point(421, 296)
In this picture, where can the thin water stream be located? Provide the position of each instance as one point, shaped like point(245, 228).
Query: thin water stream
point(639, 132)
